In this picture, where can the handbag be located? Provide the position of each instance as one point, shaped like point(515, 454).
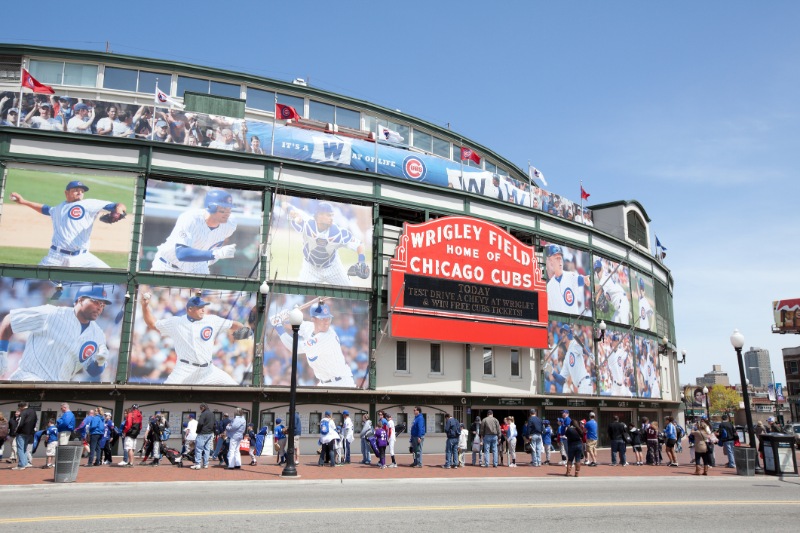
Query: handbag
point(528, 447)
point(627, 438)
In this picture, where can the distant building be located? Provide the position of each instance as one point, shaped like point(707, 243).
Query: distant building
point(757, 367)
point(715, 377)
point(791, 365)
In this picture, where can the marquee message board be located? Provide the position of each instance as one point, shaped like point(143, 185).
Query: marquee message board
point(465, 280)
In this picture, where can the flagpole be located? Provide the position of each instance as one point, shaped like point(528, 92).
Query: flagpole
point(461, 159)
point(581, 199)
point(274, 114)
point(19, 104)
point(377, 136)
point(155, 121)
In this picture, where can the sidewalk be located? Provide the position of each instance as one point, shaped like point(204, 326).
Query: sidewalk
point(308, 469)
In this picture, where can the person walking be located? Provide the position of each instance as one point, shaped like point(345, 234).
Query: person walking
point(490, 430)
point(574, 437)
point(535, 430)
point(616, 435)
point(452, 429)
point(235, 433)
point(700, 436)
point(347, 429)
point(417, 436)
point(477, 445)
point(511, 441)
point(26, 427)
point(205, 436)
point(366, 432)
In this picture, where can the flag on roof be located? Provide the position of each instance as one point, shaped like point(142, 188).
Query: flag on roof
point(163, 99)
point(35, 85)
point(286, 112)
point(584, 195)
point(469, 153)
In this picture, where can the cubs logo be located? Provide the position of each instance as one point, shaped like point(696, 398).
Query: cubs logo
point(569, 297)
point(467, 153)
point(571, 360)
point(76, 212)
point(206, 333)
point(285, 113)
point(86, 351)
point(162, 98)
point(414, 168)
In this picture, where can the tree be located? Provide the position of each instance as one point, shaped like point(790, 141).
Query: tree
point(723, 400)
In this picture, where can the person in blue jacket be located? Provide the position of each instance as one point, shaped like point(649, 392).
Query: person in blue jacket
point(417, 436)
point(95, 427)
point(65, 424)
point(547, 440)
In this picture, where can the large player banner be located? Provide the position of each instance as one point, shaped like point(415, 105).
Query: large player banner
point(569, 285)
point(201, 230)
point(644, 315)
point(59, 331)
point(53, 218)
point(192, 337)
point(568, 365)
point(612, 297)
point(317, 242)
point(333, 342)
point(648, 375)
point(616, 365)
point(462, 279)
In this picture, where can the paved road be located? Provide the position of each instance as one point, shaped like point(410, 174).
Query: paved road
point(606, 503)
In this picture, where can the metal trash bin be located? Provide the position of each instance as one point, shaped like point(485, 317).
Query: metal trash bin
point(745, 458)
point(68, 460)
point(779, 454)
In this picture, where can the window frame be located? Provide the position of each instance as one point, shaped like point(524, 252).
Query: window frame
point(401, 346)
point(436, 353)
point(490, 351)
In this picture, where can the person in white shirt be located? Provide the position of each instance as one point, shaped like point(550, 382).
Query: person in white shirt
point(190, 435)
point(347, 429)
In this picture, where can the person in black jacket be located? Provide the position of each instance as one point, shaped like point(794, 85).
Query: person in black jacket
point(25, 430)
point(13, 422)
point(727, 437)
point(205, 436)
point(616, 434)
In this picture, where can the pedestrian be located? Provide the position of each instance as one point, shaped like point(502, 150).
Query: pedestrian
point(591, 440)
point(727, 437)
point(574, 437)
point(381, 441)
point(328, 436)
point(490, 430)
point(205, 436)
point(452, 430)
point(477, 445)
point(702, 444)
point(190, 436)
point(26, 427)
point(636, 442)
point(463, 439)
point(671, 438)
point(511, 441)
point(235, 433)
point(366, 432)
point(417, 438)
point(4, 431)
point(13, 422)
point(535, 430)
point(65, 424)
point(390, 430)
point(651, 434)
point(562, 442)
point(108, 435)
point(130, 432)
point(298, 430)
point(221, 447)
point(616, 435)
point(52, 443)
point(348, 437)
point(280, 441)
point(547, 440)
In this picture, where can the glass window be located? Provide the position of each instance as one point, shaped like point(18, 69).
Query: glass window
point(488, 362)
point(402, 418)
point(147, 81)
point(502, 172)
point(260, 99)
point(80, 75)
point(313, 423)
point(490, 167)
point(422, 140)
point(121, 79)
point(48, 72)
point(296, 102)
point(441, 147)
point(321, 112)
point(402, 356)
point(268, 420)
point(637, 230)
point(436, 358)
point(439, 423)
point(348, 118)
point(226, 89)
point(515, 368)
point(194, 85)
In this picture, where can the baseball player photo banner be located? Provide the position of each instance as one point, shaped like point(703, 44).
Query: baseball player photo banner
point(569, 365)
point(320, 242)
point(333, 342)
point(192, 337)
point(612, 296)
point(648, 378)
point(616, 366)
point(568, 280)
point(66, 218)
point(201, 230)
point(644, 297)
point(60, 331)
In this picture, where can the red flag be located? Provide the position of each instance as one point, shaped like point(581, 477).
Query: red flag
point(286, 112)
point(34, 85)
point(467, 153)
point(584, 195)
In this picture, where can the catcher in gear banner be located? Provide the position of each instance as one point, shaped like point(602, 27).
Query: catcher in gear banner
point(333, 342)
point(201, 230)
point(313, 240)
point(59, 332)
point(192, 337)
point(50, 219)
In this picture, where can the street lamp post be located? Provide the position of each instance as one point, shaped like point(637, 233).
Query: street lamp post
point(708, 409)
point(295, 319)
point(737, 340)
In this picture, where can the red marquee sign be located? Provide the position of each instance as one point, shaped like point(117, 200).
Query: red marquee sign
point(465, 280)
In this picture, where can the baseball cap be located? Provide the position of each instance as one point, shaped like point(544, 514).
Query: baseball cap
point(546, 422)
point(565, 411)
point(76, 185)
point(80, 106)
point(278, 420)
point(615, 337)
point(48, 106)
point(346, 412)
point(641, 283)
point(591, 414)
point(321, 311)
point(771, 419)
point(554, 249)
point(324, 207)
point(96, 292)
point(598, 264)
point(135, 406)
point(161, 124)
point(196, 301)
point(327, 413)
point(13, 110)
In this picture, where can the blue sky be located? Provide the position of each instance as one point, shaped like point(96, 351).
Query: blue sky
point(691, 108)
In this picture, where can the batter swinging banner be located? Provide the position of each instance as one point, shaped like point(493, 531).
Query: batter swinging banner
point(59, 332)
point(66, 218)
point(332, 342)
point(321, 242)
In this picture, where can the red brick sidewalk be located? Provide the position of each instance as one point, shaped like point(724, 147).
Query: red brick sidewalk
point(267, 470)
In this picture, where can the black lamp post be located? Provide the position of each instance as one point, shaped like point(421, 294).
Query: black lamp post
point(295, 319)
point(737, 340)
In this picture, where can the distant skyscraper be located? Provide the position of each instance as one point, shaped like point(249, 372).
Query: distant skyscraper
point(757, 367)
point(716, 377)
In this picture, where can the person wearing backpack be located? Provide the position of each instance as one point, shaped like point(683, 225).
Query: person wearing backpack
point(452, 429)
point(727, 437)
point(327, 439)
point(133, 425)
point(156, 433)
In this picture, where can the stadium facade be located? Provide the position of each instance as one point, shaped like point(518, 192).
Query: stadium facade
point(478, 290)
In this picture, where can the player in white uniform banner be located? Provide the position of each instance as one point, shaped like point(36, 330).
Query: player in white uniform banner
point(562, 287)
point(614, 292)
point(573, 375)
point(650, 375)
point(321, 242)
point(194, 335)
point(617, 367)
point(645, 309)
point(73, 220)
point(62, 342)
point(320, 344)
point(198, 238)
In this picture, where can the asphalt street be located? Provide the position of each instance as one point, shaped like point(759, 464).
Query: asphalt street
point(611, 504)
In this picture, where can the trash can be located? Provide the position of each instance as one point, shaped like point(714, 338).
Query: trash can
point(779, 454)
point(745, 458)
point(68, 460)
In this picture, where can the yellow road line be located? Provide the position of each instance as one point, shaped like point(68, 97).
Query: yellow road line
point(471, 507)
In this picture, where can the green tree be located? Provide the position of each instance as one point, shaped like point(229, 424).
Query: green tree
point(723, 400)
